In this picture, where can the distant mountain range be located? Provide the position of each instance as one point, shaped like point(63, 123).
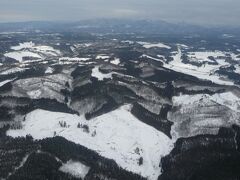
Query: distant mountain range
point(118, 26)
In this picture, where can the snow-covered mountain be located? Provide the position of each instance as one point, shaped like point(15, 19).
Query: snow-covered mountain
point(118, 106)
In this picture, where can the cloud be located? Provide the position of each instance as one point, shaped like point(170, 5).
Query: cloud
point(15, 17)
point(125, 13)
point(205, 12)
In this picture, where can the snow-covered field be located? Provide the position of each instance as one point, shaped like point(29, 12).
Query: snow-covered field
point(30, 49)
point(73, 59)
point(116, 61)
point(102, 57)
point(99, 75)
point(23, 45)
point(19, 55)
point(150, 57)
point(205, 71)
point(76, 169)
point(204, 55)
point(39, 48)
point(83, 45)
point(151, 45)
point(49, 70)
point(117, 135)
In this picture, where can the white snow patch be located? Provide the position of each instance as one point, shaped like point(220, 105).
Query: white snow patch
point(127, 41)
point(23, 46)
point(117, 135)
point(9, 33)
point(235, 57)
point(34, 94)
point(48, 50)
point(83, 45)
point(151, 45)
point(150, 57)
point(76, 169)
point(227, 36)
point(237, 69)
point(72, 48)
point(73, 59)
point(49, 70)
point(183, 46)
point(116, 61)
point(96, 73)
point(102, 56)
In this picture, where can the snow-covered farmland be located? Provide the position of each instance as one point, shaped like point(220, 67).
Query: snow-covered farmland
point(19, 55)
point(206, 71)
point(117, 135)
point(31, 50)
point(39, 48)
point(204, 55)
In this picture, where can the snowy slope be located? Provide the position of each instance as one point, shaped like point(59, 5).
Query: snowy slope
point(117, 135)
point(48, 86)
point(4, 82)
point(203, 113)
point(227, 99)
point(12, 70)
point(19, 55)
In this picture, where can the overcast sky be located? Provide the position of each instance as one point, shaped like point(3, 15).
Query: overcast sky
point(205, 12)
